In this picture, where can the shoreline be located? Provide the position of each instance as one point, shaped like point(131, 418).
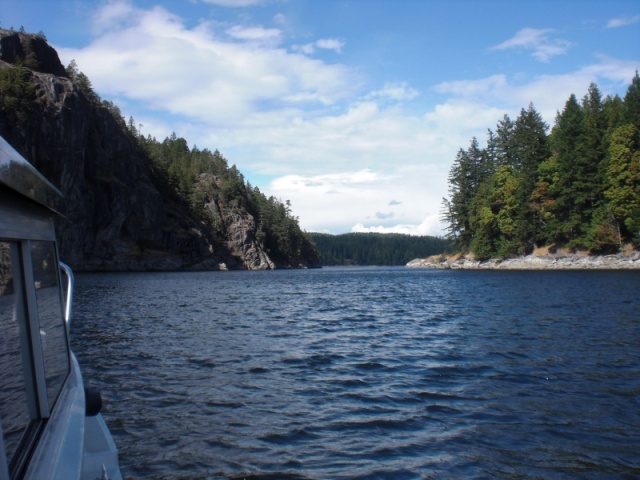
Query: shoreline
point(548, 261)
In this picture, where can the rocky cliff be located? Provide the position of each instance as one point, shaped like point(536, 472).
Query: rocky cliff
point(116, 217)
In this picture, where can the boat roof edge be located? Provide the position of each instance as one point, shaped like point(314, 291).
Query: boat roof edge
point(19, 175)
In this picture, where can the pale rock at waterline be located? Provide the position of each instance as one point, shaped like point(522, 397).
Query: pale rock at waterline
point(559, 261)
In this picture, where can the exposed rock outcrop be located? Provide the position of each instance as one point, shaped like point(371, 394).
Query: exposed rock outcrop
point(242, 243)
point(549, 261)
point(116, 218)
point(30, 49)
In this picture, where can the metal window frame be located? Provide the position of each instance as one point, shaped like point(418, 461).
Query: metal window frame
point(26, 347)
point(33, 320)
point(21, 223)
point(31, 355)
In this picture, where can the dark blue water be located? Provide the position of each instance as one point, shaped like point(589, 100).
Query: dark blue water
point(368, 373)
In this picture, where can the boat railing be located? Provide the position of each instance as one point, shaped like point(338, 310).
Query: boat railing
point(69, 300)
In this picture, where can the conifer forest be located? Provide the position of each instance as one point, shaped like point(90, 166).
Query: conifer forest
point(576, 186)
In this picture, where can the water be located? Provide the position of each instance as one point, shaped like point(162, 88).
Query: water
point(368, 373)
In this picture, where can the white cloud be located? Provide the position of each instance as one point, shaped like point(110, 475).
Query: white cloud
point(330, 44)
point(623, 21)
point(262, 35)
point(429, 226)
point(280, 19)
point(539, 41)
point(152, 57)
point(359, 201)
point(474, 88)
point(234, 3)
point(306, 49)
point(548, 93)
point(396, 91)
point(324, 43)
point(457, 120)
point(115, 14)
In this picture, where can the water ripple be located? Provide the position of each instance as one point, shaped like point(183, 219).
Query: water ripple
point(368, 373)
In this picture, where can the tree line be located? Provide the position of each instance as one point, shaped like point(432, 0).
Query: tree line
point(577, 187)
point(376, 248)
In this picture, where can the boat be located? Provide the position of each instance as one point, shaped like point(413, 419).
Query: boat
point(52, 426)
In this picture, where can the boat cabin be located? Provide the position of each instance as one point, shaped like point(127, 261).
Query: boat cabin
point(49, 429)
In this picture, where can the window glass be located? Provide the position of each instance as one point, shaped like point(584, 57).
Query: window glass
point(14, 406)
point(53, 332)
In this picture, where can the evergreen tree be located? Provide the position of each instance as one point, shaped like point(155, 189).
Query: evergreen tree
point(574, 189)
point(483, 225)
point(544, 201)
point(81, 81)
point(456, 208)
point(632, 103)
point(494, 220)
point(530, 149)
point(17, 94)
point(595, 123)
point(466, 175)
point(623, 181)
point(614, 112)
point(504, 142)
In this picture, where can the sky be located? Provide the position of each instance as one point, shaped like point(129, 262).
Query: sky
point(353, 110)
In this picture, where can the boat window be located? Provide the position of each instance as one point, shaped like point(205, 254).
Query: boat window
point(53, 332)
point(15, 412)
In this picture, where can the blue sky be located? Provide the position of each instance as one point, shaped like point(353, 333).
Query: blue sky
point(351, 109)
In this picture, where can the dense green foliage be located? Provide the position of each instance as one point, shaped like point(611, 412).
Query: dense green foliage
point(576, 187)
point(215, 192)
point(18, 93)
point(376, 248)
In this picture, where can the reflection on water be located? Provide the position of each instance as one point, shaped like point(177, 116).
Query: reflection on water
point(366, 372)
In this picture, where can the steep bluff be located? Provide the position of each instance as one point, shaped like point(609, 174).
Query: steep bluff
point(116, 217)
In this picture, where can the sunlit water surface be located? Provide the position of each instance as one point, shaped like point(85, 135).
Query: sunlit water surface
point(368, 373)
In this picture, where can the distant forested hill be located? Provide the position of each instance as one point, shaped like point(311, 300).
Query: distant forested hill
point(577, 187)
point(376, 248)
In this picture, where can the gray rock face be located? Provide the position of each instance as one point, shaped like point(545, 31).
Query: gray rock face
point(242, 243)
point(13, 48)
point(116, 219)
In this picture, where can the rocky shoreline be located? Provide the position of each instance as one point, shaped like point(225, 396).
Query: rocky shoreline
point(547, 261)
